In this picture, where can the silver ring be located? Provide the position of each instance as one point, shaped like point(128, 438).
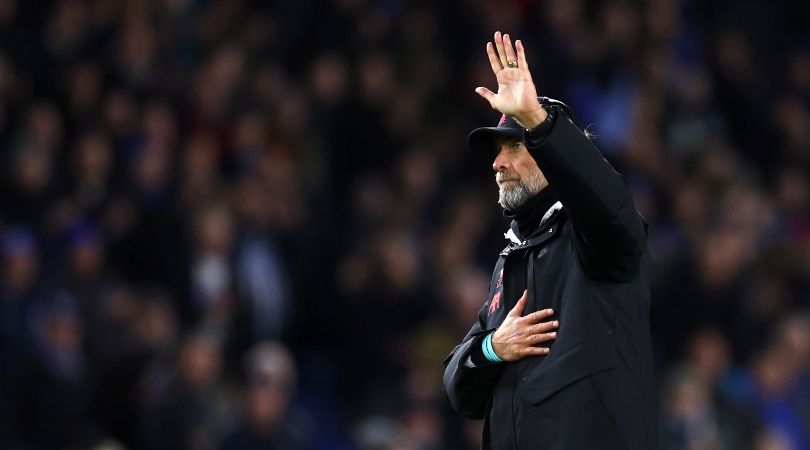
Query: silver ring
point(512, 64)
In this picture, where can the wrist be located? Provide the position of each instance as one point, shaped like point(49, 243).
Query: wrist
point(532, 119)
point(489, 350)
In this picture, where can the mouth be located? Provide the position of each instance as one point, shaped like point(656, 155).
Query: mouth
point(505, 180)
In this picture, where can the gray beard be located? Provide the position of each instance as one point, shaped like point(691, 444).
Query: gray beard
point(514, 196)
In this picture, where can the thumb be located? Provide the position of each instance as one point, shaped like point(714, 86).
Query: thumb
point(517, 310)
point(487, 94)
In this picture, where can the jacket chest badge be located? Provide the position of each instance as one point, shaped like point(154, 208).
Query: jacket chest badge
point(495, 302)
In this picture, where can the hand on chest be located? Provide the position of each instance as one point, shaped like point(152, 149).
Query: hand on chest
point(530, 266)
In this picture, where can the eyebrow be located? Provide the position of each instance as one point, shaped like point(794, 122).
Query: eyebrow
point(498, 141)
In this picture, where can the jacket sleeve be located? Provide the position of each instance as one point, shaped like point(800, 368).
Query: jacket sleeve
point(611, 234)
point(468, 377)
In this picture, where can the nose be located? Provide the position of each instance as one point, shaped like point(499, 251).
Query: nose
point(502, 161)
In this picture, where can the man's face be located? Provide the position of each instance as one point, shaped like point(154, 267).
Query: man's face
point(516, 172)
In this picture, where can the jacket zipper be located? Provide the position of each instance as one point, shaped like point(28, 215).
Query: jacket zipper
point(519, 375)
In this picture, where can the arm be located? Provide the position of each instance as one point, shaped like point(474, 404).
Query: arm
point(610, 232)
point(469, 376)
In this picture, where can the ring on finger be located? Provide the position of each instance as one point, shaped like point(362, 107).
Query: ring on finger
point(512, 64)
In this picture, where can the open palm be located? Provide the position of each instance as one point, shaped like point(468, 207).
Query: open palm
point(517, 96)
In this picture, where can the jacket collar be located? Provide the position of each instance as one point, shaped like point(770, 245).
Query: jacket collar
point(512, 236)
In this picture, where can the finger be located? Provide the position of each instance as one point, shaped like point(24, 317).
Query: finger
point(534, 351)
point(540, 338)
point(521, 55)
point(537, 316)
point(493, 59)
point(517, 310)
point(509, 49)
point(487, 94)
point(501, 51)
point(543, 327)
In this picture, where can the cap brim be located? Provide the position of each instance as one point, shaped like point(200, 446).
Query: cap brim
point(483, 139)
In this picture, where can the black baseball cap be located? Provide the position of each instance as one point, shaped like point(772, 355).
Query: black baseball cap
point(484, 138)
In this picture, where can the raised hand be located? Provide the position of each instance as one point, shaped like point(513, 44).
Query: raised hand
point(517, 96)
point(518, 335)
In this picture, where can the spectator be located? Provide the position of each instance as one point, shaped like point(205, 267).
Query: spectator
point(271, 420)
point(191, 411)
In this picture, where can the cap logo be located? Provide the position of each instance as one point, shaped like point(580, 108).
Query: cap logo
point(502, 121)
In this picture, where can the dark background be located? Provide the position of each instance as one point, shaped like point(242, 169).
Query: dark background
point(235, 225)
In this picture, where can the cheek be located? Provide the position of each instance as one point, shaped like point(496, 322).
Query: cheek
point(522, 159)
point(526, 169)
point(527, 166)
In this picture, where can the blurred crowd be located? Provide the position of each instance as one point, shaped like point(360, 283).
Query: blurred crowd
point(230, 224)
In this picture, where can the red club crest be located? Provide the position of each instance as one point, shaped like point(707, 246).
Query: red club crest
point(495, 303)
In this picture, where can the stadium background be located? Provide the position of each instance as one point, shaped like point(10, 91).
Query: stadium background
point(227, 223)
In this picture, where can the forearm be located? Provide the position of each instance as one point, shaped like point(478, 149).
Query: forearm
point(584, 181)
point(469, 378)
point(595, 196)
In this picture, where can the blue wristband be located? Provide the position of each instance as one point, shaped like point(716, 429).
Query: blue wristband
point(492, 355)
point(489, 351)
point(485, 348)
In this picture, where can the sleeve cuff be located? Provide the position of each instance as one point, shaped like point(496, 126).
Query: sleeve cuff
point(534, 138)
point(476, 357)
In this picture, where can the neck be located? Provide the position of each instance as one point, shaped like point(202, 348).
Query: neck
point(528, 215)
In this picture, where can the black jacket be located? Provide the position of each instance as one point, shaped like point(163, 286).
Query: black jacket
point(588, 261)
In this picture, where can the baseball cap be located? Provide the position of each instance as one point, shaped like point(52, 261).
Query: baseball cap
point(484, 138)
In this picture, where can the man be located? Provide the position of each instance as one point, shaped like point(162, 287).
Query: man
point(582, 379)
